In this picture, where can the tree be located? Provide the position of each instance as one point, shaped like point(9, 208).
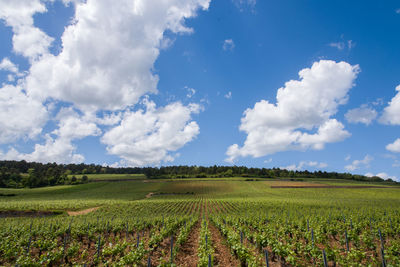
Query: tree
point(85, 179)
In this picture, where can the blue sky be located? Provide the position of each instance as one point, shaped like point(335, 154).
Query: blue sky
point(196, 82)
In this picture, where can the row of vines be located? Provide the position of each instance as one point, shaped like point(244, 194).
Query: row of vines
point(257, 233)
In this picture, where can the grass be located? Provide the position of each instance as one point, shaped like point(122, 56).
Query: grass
point(110, 177)
point(107, 192)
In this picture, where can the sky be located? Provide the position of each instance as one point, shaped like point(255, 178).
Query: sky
point(290, 84)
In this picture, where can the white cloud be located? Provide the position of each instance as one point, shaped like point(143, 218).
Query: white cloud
point(363, 114)
point(228, 95)
point(349, 44)
point(330, 131)
point(71, 127)
point(394, 147)
point(347, 158)
point(7, 65)
point(20, 115)
point(109, 51)
point(190, 92)
point(28, 40)
point(391, 113)
point(382, 175)
point(146, 137)
point(228, 45)
point(268, 160)
point(166, 43)
point(105, 66)
point(391, 116)
point(292, 167)
point(10, 78)
point(357, 164)
point(54, 150)
point(302, 106)
point(338, 45)
point(302, 164)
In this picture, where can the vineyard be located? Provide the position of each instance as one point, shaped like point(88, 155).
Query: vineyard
point(200, 223)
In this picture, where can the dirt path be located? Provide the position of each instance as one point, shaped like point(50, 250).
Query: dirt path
point(222, 254)
point(81, 212)
point(187, 256)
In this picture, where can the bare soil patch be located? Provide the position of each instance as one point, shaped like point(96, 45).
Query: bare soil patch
point(222, 254)
point(28, 213)
point(81, 212)
point(187, 255)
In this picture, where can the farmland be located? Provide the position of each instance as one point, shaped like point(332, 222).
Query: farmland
point(132, 221)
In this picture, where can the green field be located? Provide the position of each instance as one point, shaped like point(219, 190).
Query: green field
point(229, 221)
point(110, 177)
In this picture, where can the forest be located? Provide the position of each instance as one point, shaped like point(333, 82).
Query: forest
point(19, 174)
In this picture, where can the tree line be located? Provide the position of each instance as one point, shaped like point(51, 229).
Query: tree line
point(17, 174)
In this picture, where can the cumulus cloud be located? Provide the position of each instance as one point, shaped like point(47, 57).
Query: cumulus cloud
point(391, 113)
point(108, 52)
point(357, 164)
point(20, 115)
point(391, 116)
point(302, 115)
point(28, 40)
point(302, 164)
point(7, 65)
point(363, 114)
point(382, 175)
point(54, 150)
point(105, 66)
point(149, 136)
point(394, 147)
point(228, 45)
point(71, 126)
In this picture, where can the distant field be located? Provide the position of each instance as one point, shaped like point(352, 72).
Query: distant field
point(242, 219)
point(102, 177)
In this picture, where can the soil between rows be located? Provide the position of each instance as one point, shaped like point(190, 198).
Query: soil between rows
point(187, 255)
point(222, 255)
